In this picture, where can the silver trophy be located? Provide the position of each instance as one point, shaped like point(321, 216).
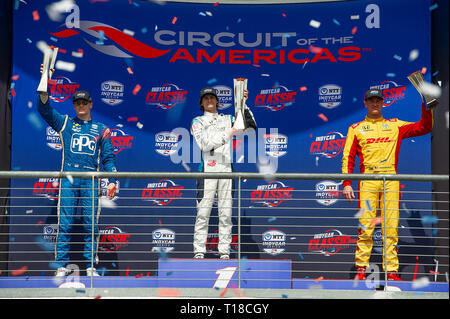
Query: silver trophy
point(240, 84)
point(47, 65)
point(418, 81)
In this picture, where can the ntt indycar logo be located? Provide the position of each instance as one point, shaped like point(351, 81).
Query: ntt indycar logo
point(329, 146)
point(276, 98)
point(271, 194)
point(166, 143)
point(112, 92)
point(274, 242)
point(222, 47)
point(53, 139)
point(225, 95)
point(163, 192)
point(166, 96)
point(275, 144)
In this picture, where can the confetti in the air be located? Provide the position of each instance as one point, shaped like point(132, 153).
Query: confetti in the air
point(130, 70)
point(420, 283)
point(136, 89)
point(336, 22)
point(323, 117)
point(174, 20)
point(397, 57)
point(272, 219)
point(186, 166)
point(303, 88)
point(132, 119)
point(354, 17)
point(429, 219)
point(139, 125)
point(354, 30)
point(35, 15)
point(19, 271)
point(65, 66)
point(414, 54)
point(129, 32)
point(314, 23)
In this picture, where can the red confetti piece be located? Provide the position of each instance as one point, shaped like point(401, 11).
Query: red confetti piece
point(39, 222)
point(434, 272)
point(314, 49)
point(13, 93)
point(132, 119)
point(128, 270)
point(15, 77)
point(377, 220)
point(223, 292)
point(318, 279)
point(139, 275)
point(323, 117)
point(168, 292)
point(19, 271)
point(136, 89)
point(284, 15)
point(174, 20)
point(159, 221)
point(35, 15)
point(98, 297)
point(216, 4)
point(62, 50)
point(402, 186)
point(424, 70)
point(257, 65)
point(354, 30)
point(130, 70)
point(303, 88)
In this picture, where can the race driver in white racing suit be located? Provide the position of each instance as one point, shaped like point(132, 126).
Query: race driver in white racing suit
point(213, 133)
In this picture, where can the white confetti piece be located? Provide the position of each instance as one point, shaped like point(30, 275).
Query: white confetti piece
point(139, 125)
point(105, 202)
point(314, 23)
point(265, 74)
point(65, 66)
point(129, 32)
point(77, 54)
point(29, 211)
point(240, 159)
point(119, 125)
point(30, 104)
point(186, 166)
point(354, 17)
point(420, 283)
point(414, 54)
point(430, 89)
point(70, 178)
point(43, 46)
point(208, 13)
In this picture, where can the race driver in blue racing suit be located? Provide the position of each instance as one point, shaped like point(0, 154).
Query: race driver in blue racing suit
point(84, 142)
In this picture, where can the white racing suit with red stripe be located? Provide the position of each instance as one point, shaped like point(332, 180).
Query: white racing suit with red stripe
point(210, 132)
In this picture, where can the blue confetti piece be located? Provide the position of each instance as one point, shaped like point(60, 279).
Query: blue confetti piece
point(169, 273)
point(435, 73)
point(354, 99)
point(211, 81)
point(361, 226)
point(390, 75)
point(336, 21)
point(144, 30)
point(80, 291)
point(102, 37)
point(29, 40)
point(54, 39)
point(239, 20)
point(369, 207)
point(272, 219)
point(114, 265)
point(217, 288)
point(284, 296)
point(300, 255)
point(35, 121)
point(433, 7)
point(202, 14)
point(102, 271)
point(429, 219)
point(397, 57)
point(434, 232)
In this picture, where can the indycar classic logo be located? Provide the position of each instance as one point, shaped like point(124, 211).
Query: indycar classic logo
point(275, 144)
point(271, 194)
point(112, 238)
point(391, 92)
point(327, 192)
point(112, 92)
point(206, 47)
point(212, 243)
point(330, 96)
point(163, 192)
point(329, 146)
point(330, 242)
point(276, 98)
point(166, 96)
point(166, 143)
point(48, 187)
point(61, 88)
point(53, 139)
point(120, 140)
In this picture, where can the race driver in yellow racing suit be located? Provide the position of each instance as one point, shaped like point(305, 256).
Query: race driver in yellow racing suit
point(376, 141)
